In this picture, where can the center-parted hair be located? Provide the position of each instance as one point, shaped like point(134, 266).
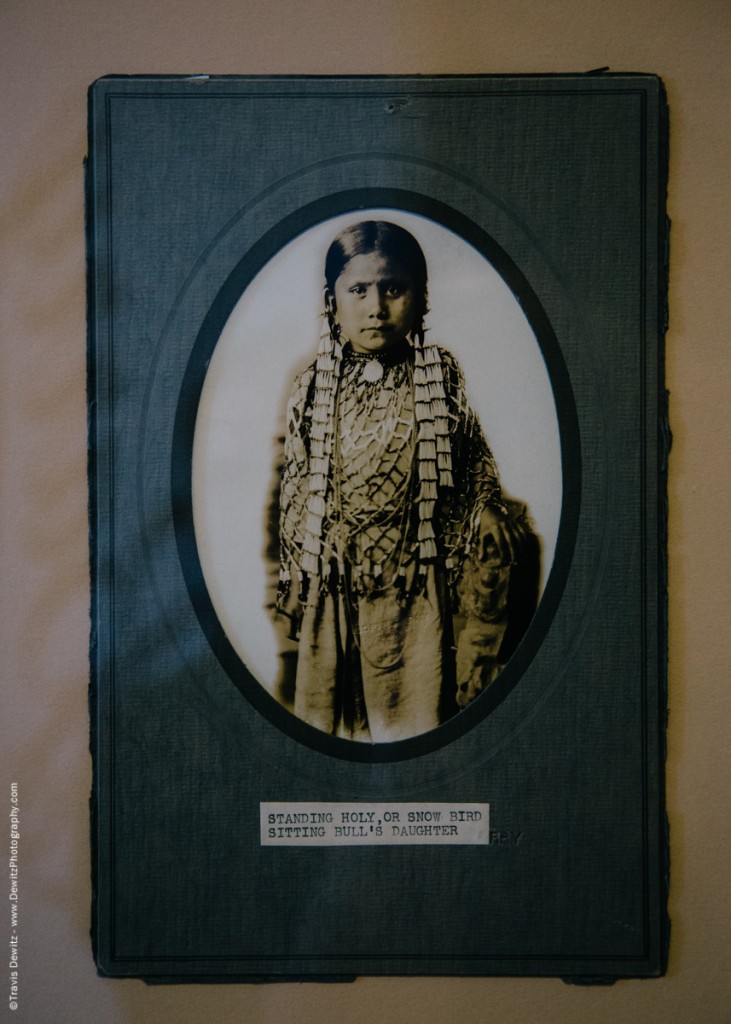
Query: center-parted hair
point(390, 241)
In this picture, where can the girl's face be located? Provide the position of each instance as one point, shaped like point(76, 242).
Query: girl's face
point(375, 303)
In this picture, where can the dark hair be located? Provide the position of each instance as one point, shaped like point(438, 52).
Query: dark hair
point(389, 240)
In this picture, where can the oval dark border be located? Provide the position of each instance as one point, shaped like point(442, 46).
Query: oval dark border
point(181, 470)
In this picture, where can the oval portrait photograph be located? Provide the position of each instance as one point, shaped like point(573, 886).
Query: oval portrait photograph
point(376, 476)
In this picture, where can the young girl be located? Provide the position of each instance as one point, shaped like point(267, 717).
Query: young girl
point(396, 543)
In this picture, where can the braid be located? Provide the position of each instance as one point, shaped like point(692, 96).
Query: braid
point(327, 376)
point(329, 314)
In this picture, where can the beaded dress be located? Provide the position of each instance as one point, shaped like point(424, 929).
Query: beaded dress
point(385, 477)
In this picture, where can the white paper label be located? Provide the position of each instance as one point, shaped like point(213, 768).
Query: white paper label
point(361, 824)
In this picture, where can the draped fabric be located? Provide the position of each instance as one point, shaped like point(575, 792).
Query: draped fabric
point(378, 656)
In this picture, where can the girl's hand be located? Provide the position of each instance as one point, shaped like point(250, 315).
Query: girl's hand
point(501, 536)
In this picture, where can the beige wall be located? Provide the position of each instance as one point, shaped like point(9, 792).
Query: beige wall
point(51, 52)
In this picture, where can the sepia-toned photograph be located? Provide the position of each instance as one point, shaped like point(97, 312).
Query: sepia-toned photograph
point(376, 476)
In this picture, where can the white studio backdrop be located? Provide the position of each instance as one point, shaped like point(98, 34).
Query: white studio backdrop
point(273, 334)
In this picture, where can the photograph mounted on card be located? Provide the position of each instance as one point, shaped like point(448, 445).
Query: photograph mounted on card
point(456, 624)
point(377, 437)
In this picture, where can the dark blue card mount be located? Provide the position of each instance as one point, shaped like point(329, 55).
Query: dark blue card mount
point(524, 833)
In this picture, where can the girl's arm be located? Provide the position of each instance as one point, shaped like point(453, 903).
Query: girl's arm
point(295, 470)
point(493, 542)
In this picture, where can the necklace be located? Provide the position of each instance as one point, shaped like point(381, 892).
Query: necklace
point(374, 364)
point(372, 371)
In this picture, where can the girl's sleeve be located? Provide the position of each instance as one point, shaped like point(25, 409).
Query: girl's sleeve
point(485, 585)
point(293, 490)
point(476, 482)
